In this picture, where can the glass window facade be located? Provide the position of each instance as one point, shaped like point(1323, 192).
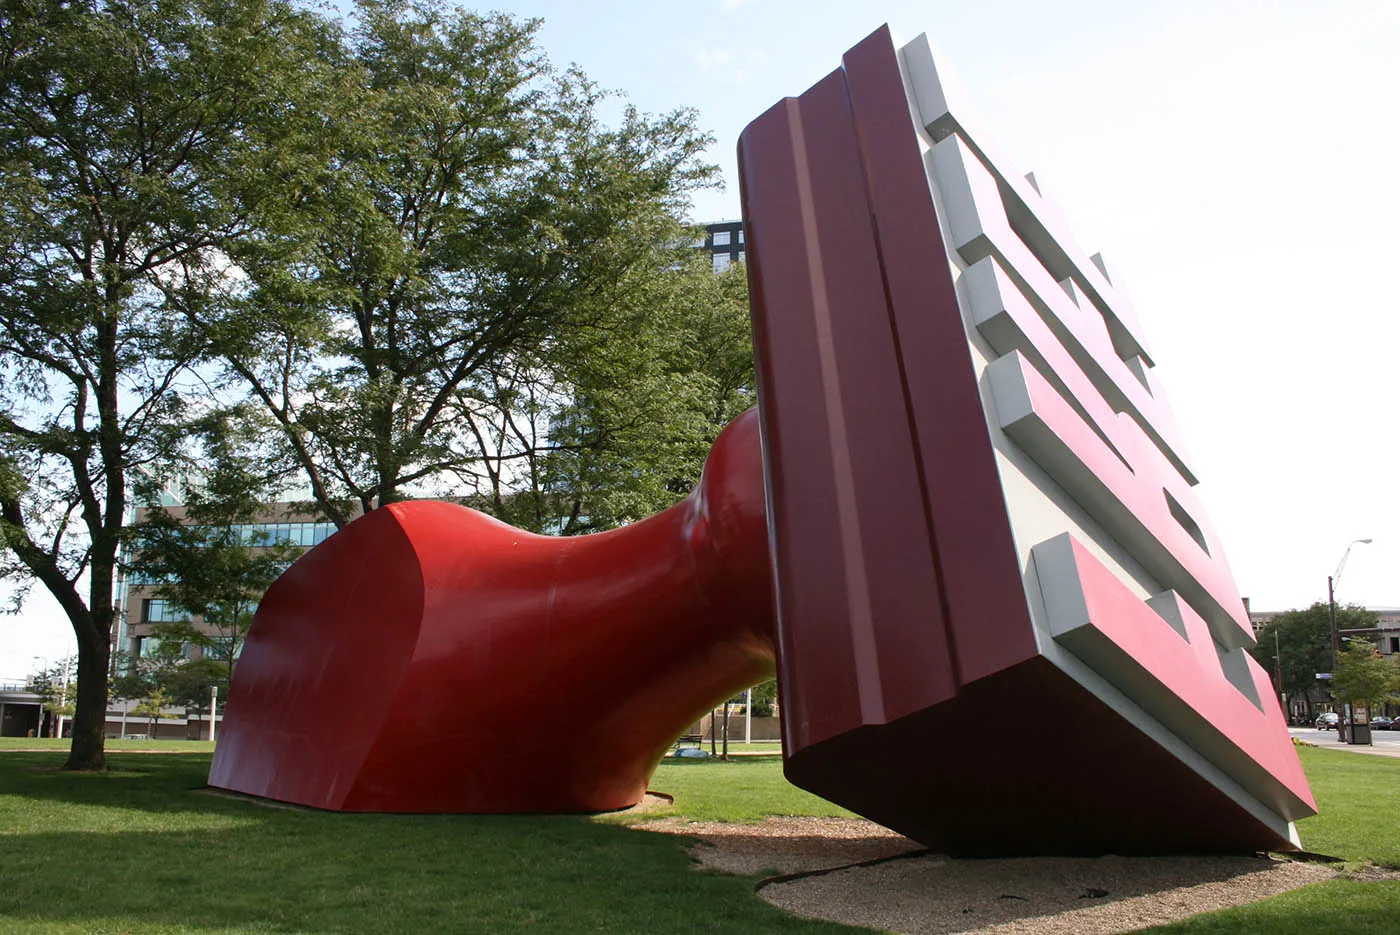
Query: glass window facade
point(156, 610)
point(302, 534)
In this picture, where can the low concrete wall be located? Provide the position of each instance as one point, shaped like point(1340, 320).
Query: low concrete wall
point(767, 729)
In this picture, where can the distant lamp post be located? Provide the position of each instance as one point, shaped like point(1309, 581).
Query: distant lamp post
point(1344, 725)
point(43, 670)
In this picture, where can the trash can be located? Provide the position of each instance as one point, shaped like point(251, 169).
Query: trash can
point(1358, 734)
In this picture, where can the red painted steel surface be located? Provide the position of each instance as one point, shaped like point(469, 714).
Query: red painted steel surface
point(869, 403)
point(427, 658)
point(906, 642)
point(1028, 762)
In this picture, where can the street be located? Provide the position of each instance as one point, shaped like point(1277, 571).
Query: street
point(1382, 741)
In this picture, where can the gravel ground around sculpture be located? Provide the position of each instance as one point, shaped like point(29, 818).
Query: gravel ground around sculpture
point(901, 887)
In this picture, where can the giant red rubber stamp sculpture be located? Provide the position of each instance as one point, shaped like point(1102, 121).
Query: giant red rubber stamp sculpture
point(977, 508)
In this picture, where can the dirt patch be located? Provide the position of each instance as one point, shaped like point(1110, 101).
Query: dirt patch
point(779, 846)
point(651, 802)
point(902, 888)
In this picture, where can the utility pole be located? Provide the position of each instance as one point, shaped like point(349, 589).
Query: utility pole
point(1344, 725)
point(1344, 716)
point(213, 709)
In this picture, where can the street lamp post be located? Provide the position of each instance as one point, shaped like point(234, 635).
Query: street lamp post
point(1344, 726)
point(63, 694)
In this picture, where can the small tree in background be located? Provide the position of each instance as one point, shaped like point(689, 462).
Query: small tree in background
point(181, 681)
point(153, 706)
point(56, 690)
point(764, 695)
point(1364, 676)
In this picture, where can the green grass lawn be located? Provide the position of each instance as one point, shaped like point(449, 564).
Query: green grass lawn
point(145, 849)
point(112, 746)
point(742, 790)
point(1358, 799)
point(1358, 819)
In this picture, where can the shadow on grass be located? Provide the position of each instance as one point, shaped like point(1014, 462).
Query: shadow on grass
point(145, 851)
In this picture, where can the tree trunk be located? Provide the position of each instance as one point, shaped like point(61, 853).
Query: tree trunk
point(90, 712)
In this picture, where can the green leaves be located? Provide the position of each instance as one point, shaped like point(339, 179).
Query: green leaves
point(137, 142)
point(1303, 646)
point(647, 399)
point(411, 259)
point(1364, 676)
point(483, 257)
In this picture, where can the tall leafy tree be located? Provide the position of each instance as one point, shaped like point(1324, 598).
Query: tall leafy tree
point(479, 210)
point(642, 412)
point(140, 140)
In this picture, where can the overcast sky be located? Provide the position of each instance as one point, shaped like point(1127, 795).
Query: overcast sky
point(1233, 162)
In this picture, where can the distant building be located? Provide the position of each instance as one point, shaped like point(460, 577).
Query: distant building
point(1388, 639)
point(140, 610)
point(20, 711)
point(724, 241)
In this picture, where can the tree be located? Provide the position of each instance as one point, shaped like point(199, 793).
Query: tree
point(477, 215)
point(140, 140)
point(55, 690)
point(153, 706)
point(641, 413)
point(765, 694)
point(1304, 646)
point(377, 239)
point(1364, 676)
point(164, 672)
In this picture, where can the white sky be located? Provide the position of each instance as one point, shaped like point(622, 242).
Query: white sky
point(1233, 161)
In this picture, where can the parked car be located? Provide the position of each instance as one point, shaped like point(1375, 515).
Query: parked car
point(1327, 721)
point(1381, 722)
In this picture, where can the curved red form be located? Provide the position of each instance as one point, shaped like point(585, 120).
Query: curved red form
point(428, 658)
